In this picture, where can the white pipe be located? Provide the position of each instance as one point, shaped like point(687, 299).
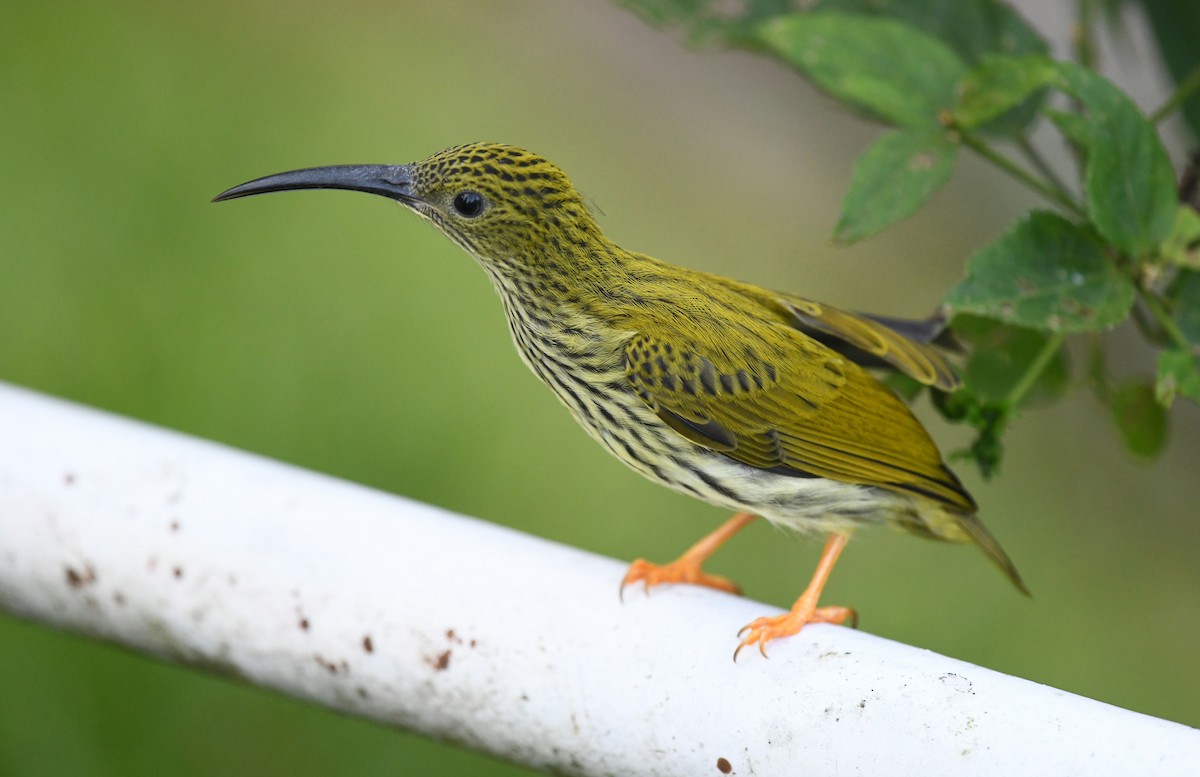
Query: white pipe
point(504, 643)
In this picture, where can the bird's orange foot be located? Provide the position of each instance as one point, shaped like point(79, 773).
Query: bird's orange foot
point(682, 570)
point(762, 630)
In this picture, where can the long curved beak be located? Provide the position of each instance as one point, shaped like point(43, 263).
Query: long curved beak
point(392, 181)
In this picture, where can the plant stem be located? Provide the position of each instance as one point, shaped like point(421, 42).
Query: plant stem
point(1047, 190)
point(1034, 371)
point(1085, 54)
point(1155, 305)
point(1183, 90)
point(1037, 160)
point(1081, 35)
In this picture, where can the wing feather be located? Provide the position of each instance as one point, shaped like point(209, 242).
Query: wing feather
point(878, 339)
point(773, 398)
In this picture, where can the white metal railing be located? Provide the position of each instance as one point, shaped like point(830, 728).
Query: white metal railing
point(510, 645)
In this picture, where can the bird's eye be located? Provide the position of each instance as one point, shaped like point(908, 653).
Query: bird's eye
point(469, 204)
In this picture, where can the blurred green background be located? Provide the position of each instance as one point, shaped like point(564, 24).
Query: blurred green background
point(333, 331)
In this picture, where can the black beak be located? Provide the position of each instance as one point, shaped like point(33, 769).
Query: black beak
point(392, 181)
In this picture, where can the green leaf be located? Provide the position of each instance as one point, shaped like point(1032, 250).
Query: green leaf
point(970, 28)
point(1185, 296)
point(885, 67)
point(1075, 127)
point(1140, 419)
point(893, 179)
point(1000, 357)
point(987, 418)
point(1129, 183)
point(1045, 273)
point(1182, 246)
point(1178, 373)
point(707, 20)
point(973, 28)
point(998, 85)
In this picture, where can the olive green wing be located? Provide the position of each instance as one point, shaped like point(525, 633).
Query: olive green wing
point(916, 348)
point(775, 399)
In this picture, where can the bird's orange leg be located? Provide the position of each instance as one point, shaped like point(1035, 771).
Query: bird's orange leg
point(805, 610)
point(686, 568)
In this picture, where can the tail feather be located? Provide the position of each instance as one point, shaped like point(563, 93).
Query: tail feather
point(991, 548)
point(927, 331)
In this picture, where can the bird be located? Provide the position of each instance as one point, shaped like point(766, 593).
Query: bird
point(765, 403)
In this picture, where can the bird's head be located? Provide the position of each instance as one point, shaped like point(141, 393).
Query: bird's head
point(504, 205)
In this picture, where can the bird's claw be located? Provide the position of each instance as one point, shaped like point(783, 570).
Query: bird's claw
point(763, 630)
point(682, 570)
